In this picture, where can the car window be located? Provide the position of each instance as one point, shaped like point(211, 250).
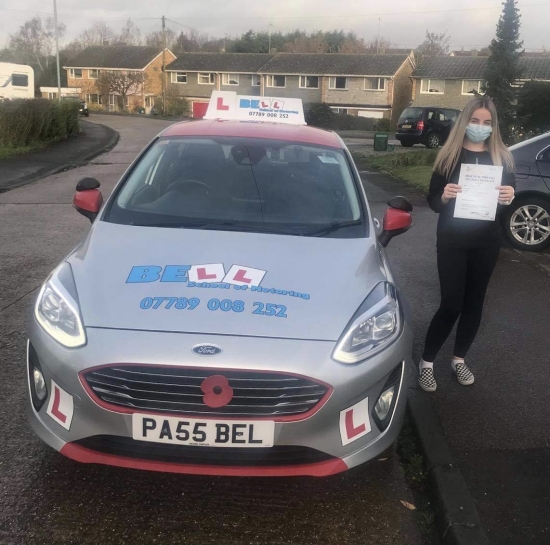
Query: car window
point(412, 113)
point(283, 185)
point(545, 156)
point(450, 115)
point(430, 114)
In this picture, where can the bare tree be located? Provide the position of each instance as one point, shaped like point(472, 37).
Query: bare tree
point(121, 83)
point(155, 39)
point(34, 41)
point(130, 34)
point(433, 45)
point(314, 43)
point(378, 44)
point(99, 33)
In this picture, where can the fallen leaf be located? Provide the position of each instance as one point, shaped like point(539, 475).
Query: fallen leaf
point(408, 505)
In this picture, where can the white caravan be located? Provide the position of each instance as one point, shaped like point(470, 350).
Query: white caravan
point(16, 80)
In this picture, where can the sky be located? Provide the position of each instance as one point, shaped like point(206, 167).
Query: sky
point(469, 23)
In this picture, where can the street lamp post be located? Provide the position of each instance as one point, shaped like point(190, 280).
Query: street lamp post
point(57, 51)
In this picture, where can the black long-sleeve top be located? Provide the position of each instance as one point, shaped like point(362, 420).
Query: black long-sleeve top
point(460, 232)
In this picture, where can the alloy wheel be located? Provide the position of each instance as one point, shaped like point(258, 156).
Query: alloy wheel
point(530, 225)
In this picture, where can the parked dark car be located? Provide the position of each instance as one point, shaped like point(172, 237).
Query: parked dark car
point(83, 107)
point(425, 125)
point(526, 222)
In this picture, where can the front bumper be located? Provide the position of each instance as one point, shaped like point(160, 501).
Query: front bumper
point(319, 434)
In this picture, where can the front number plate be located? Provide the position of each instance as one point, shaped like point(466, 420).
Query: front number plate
point(202, 433)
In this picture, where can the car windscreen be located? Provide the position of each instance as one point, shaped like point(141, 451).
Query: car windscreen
point(411, 113)
point(241, 184)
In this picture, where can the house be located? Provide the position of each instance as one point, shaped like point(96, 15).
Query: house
point(196, 75)
point(376, 86)
point(84, 72)
point(450, 82)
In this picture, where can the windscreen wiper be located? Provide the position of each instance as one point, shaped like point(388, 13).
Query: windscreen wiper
point(330, 228)
point(222, 226)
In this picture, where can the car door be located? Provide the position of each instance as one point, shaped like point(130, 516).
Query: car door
point(543, 164)
point(431, 120)
point(446, 119)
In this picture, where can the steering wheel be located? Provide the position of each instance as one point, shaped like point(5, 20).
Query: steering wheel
point(174, 186)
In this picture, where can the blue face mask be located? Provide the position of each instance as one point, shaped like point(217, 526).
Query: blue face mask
point(478, 133)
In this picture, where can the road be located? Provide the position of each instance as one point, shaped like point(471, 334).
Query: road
point(48, 499)
point(497, 428)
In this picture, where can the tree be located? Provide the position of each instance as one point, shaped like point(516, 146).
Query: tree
point(503, 68)
point(121, 83)
point(533, 108)
point(130, 34)
point(307, 44)
point(378, 45)
point(33, 42)
point(99, 33)
point(156, 39)
point(433, 45)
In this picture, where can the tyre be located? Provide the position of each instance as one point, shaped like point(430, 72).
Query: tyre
point(87, 114)
point(433, 141)
point(407, 143)
point(527, 224)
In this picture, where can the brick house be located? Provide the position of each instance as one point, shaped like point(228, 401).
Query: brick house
point(376, 86)
point(450, 82)
point(84, 70)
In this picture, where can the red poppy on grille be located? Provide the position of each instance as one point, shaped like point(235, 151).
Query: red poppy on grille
point(217, 392)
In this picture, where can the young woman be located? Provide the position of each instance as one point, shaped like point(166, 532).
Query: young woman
point(467, 250)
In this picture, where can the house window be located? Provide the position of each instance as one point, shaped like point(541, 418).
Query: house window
point(255, 80)
point(93, 74)
point(230, 79)
point(375, 84)
point(340, 110)
point(338, 83)
point(178, 77)
point(93, 98)
point(471, 86)
point(75, 73)
point(309, 82)
point(112, 100)
point(52, 96)
point(20, 80)
point(207, 79)
point(433, 86)
point(276, 81)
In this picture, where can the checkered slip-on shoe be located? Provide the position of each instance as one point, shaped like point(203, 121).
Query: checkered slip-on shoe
point(426, 380)
point(463, 374)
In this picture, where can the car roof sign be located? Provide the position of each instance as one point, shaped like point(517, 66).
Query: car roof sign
point(228, 105)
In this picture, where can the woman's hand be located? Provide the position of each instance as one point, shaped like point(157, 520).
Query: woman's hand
point(505, 194)
point(450, 192)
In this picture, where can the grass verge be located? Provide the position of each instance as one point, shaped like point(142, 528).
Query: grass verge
point(6, 151)
point(416, 474)
point(413, 167)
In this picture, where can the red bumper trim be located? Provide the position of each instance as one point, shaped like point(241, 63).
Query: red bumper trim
point(320, 469)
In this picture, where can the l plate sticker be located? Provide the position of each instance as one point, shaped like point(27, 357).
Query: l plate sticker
point(60, 406)
point(355, 422)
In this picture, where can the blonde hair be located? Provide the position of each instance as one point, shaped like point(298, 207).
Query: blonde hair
point(448, 157)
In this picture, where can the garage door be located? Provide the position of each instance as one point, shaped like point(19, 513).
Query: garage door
point(371, 113)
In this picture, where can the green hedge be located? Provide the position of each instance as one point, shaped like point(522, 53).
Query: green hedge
point(319, 114)
point(24, 121)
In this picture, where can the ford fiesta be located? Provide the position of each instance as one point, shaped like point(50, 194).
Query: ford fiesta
point(231, 311)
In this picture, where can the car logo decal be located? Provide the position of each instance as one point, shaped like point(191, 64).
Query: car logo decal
point(217, 392)
point(207, 350)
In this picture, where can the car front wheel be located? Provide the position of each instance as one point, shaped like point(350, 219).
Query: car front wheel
point(527, 224)
point(433, 141)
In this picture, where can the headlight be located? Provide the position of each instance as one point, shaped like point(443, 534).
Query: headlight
point(375, 325)
point(57, 311)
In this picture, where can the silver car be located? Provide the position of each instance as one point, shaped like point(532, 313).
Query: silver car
point(231, 312)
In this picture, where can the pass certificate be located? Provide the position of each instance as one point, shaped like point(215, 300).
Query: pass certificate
point(478, 199)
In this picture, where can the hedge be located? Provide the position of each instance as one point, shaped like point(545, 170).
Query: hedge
point(23, 121)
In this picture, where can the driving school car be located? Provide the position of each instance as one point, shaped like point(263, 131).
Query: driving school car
point(231, 310)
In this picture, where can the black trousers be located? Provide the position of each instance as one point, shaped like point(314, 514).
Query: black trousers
point(464, 275)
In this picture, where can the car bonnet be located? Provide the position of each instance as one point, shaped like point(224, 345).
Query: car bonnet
point(290, 286)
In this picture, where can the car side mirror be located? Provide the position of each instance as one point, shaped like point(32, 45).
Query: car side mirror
point(88, 199)
point(397, 219)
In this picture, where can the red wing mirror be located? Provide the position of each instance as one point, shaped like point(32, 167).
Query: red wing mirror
point(397, 219)
point(88, 199)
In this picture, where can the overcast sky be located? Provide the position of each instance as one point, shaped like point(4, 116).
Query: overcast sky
point(469, 23)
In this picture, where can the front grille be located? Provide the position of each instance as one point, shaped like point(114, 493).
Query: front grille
point(182, 454)
point(178, 390)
